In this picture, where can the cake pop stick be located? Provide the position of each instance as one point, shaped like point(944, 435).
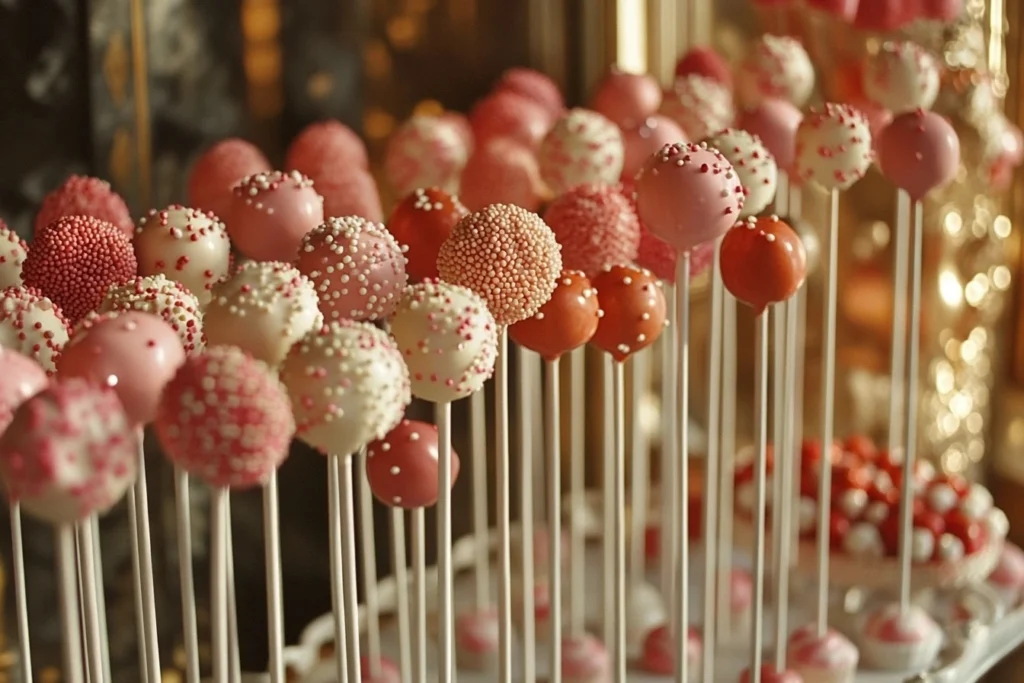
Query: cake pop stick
point(502, 484)
point(577, 486)
point(726, 485)
point(140, 617)
point(782, 463)
point(760, 476)
point(275, 596)
point(681, 604)
point(608, 506)
point(183, 512)
point(145, 578)
point(71, 627)
point(234, 652)
point(670, 504)
point(640, 470)
point(481, 524)
point(399, 571)
point(94, 635)
point(898, 357)
point(337, 561)
point(220, 644)
point(553, 453)
point(20, 595)
point(777, 386)
point(350, 571)
point(368, 548)
point(619, 653)
point(524, 410)
point(446, 589)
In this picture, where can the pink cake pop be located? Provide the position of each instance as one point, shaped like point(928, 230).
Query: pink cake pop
point(596, 225)
point(225, 418)
point(75, 260)
point(448, 339)
point(879, 15)
point(348, 385)
point(271, 212)
point(585, 660)
point(501, 171)
point(357, 268)
point(386, 671)
point(69, 452)
point(645, 139)
point(508, 256)
point(659, 257)
point(134, 353)
point(634, 311)
point(833, 147)
point(688, 194)
point(775, 121)
point(763, 262)
point(218, 170)
point(476, 639)
point(509, 115)
point(425, 151)
point(827, 659)
point(422, 222)
point(582, 147)
point(706, 62)
point(941, 10)
point(903, 76)
point(626, 99)
point(893, 640)
point(85, 196)
point(23, 379)
point(167, 300)
point(534, 85)
point(1007, 578)
point(769, 674)
point(658, 655)
point(460, 122)
point(325, 143)
point(348, 191)
point(13, 250)
point(844, 10)
point(754, 165)
point(775, 66)
point(185, 245)
point(402, 467)
point(919, 152)
point(699, 106)
point(33, 326)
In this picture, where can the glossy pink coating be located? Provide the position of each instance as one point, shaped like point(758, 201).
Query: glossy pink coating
point(941, 10)
point(844, 10)
point(769, 674)
point(219, 169)
point(688, 194)
point(133, 353)
point(643, 140)
point(348, 191)
point(271, 213)
point(325, 143)
point(706, 62)
point(919, 152)
point(625, 98)
point(534, 85)
point(509, 115)
point(501, 171)
point(880, 15)
point(23, 379)
point(775, 121)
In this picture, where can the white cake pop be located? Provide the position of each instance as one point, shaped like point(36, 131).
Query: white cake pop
point(263, 308)
point(166, 299)
point(754, 165)
point(448, 339)
point(476, 640)
point(645, 611)
point(12, 254)
point(893, 640)
point(775, 66)
point(977, 503)
point(996, 523)
point(582, 147)
point(1008, 577)
point(833, 147)
point(33, 326)
point(822, 659)
point(700, 106)
point(585, 660)
point(863, 540)
point(425, 151)
point(901, 77)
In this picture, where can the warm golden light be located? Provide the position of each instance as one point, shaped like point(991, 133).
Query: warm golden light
point(631, 35)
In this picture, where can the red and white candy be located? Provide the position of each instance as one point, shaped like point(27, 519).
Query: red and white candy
point(425, 151)
point(402, 467)
point(754, 165)
point(13, 250)
point(700, 106)
point(901, 77)
point(33, 326)
point(23, 379)
point(476, 639)
point(1008, 576)
point(85, 196)
point(896, 640)
point(775, 66)
point(831, 658)
point(585, 660)
point(833, 147)
point(658, 654)
point(271, 212)
point(166, 299)
point(582, 147)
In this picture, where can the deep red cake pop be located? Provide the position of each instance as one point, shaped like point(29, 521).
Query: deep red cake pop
point(325, 143)
point(634, 310)
point(348, 191)
point(85, 196)
point(422, 222)
point(596, 225)
point(626, 99)
point(919, 152)
point(763, 262)
point(271, 213)
point(218, 170)
point(567, 321)
point(402, 467)
point(75, 260)
point(706, 62)
point(536, 86)
point(640, 142)
point(658, 655)
point(509, 115)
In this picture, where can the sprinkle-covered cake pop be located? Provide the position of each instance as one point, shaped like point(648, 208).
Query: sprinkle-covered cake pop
point(356, 266)
point(754, 165)
point(706, 62)
point(507, 255)
point(645, 139)
point(901, 77)
point(33, 326)
point(567, 321)
point(918, 152)
point(659, 257)
point(69, 452)
point(597, 226)
point(509, 115)
point(775, 122)
point(502, 171)
point(896, 640)
point(534, 85)
point(422, 222)
point(775, 66)
point(700, 106)
point(186, 245)
point(582, 147)
point(85, 196)
point(218, 170)
point(658, 652)
point(348, 385)
point(402, 467)
point(634, 310)
point(626, 99)
point(263, 308)
point(763, 262)
point(325, 143)
point(585, 660)
point(476, 639)
point(166, 299)
point(23, 379)
point(448, 339)
point(13, 250)
point(833, 147)
point(225, 418)
point(75, 260)
point(822, 659)
point(425, 151)
point(271, 213)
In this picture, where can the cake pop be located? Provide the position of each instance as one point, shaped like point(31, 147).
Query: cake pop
point(422, 222)
point(384, 671)
point(33, 326)
point(356, 267)
point(940, 10)
point(325, 143)
point(567, 321)
point(897, 640)
point(585, 660)
point(75, 260)
point(626, 99)
point(777, 251)
point(754, 165)
point(218, 170)
point(706, 62)
point(85, 196)
point(460, 122)
point(509, 115)
point(597, 227)
point(634, 311)
point(12, 254)
point(919, 152)
point(879, 15)
point(659, 257)
point(769, 674)
point(830, 658)
point(69, 452)
point(775, 66)
point(348, 385)
point(271, 212)
point(775, 122)
point(843, 10)
point(901, 77)
point(658, 655)
point(425, 151)
point(582, 147)
point(263, 308)
point(502, 171)
point(166, 299)
point(699, 106)
point(833, 147)
point(476, 639)
point(348, 191)
point(541, 549)
point(645, 612)
point(534, 85)
point(1008, 577)
point(402, 467)
point(23, 379)
point(642, 140)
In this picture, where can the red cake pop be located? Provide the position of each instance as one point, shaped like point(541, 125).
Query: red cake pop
point(688, 194)
point(325, 143)
point(425, 151)
point(822, 659)
point(402, 467)
point(706, 62)
point(69, 452)
point(763, 262)
point(634, 311)
point(271, 213)
point(225, 418)
point(85, 196)
point(699, 106)
point(218, 170)
point(626, 99)
point(879, 15)
point(13, 250)
point(900, 640)
point(775, 121)
point(658, 655)
point(509, 115)
point(844, 10)
point(585, 660)
point(919, 152)
point(659, 257)
point(597, 227)
point(775, 66)
point(348, 191)
point(422, 222)
point(508, 256)
point(534, 85)
point(582, 147)
point(769, 674)
point(501, 171)
point(75, 260)
point(833, 147)
point(167, 300)
point(33, 326)
point(567, 321)
point(941, 10)
point(640, 142)
point(23, 379)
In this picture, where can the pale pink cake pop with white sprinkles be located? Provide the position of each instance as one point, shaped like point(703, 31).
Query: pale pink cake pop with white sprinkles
point(356, 266)
point(582, 147)
point(894, 640)
point(166, 299)
point(585, 660)
point(272, 212)
point(12, 254)
point(32, 325)
point(700, 106)
point(775, 66)
point(425, 151)
point(348, 384)
point(69, 452)
point(833, 147)
point(754, 165)
point(448, 339)
point(508, 256)
point(23, 379)
point(822, 659)
point(903, 76)
point(185, 245)
point(263, 308)
point(225, 418)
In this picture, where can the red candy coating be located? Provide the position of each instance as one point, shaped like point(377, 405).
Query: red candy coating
point(271, 213)
point(919, 152)
point(85, 196)
point(567, 321)
point(844, 10)
point(422, 222)
point(596, 225)
point(634, 310)
point(942, 10)
point(23, 379)
point(501, 171)
point(659, 654)
point(533, 85)
point(325, 143)
point(706, 62)
point(402, 467)
point(509, 115)
point(763, 262)
point(626, 99)
point(880, 15)
point(218, 170)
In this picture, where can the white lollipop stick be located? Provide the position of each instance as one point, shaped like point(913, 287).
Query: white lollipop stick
point(682, 597)
point(481, 524)
point(349, 569)
point(368, 546)
point(640, 469)
point(94, 529)
point(760, 488)
point(140, 615)
point(897, 376)
point(67, 587)
point(553, 453)
point(401, 592)
point(526, 512)
point(419, 602)
point(94, 635)
point(275, 589)
point(233, 639)
point(726, 486)
point(786, 463)
point(503, 513)
point(79, 556)
point(711, 476)
point(608, 504)
point(183, 510)
point(334, 466)
point(619, 654)
point(776, 383)
point(20, 594)
point(536, 369)
point(796, 213)
point(446, 590)
point(152, 636)
point(577, 484)
point(669, 458)
point(219, 523)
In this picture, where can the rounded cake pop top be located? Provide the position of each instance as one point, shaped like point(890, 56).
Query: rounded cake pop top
point(833, 147)
point(218, 170)
point(535, 86)
point(425, 151)
point(634, 311)
point(75, 260)
point(502, 171)
point(754, 165)
point(357, 268)
point(85, 196)
point(844, 10)
point(940, 10)
point(476, 639)
point(880, 15)
point(186, 245)
point(582, 147)
point(225, 418)
point(567, 321)
point(706, 62)
point(349, 191)
point(626, 99)
point(507, 255)
point(166, 299)
point(699, 106)
point(448, 339)
point(23, 379)
point(658, 655)
point(33, 326)
point(69, 452)
point(659, 257)
point(509, 115)
point(775, 121)
point(596, 225)
point(585, 660)
point(775, 66)
point(382, 671)
point(348, 385)
point(263, 308)
point(13, 250)
point(919, 152)
point(1007, 578)
point(830, 658)
point(325, 143)
point(901, 77)
point(271, 213)
point(897, 640)
point(769, 674)
point(402, 467)
point(763, 262)
point(640, 142)
point(422, 222)
point(688, 194)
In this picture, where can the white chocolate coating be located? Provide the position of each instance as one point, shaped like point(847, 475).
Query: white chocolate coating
point(828, 659)
point(833, 147)
point(645, 610)
point(699, 106)
point(166, 299)
point(754, 165)
point(775, 66)
point(476, 640)
point(32, 325)
point(892, 641)
point(582, 147)
point(425, 151)
point(186, 245)
point(903, 76)
point(12, 254)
